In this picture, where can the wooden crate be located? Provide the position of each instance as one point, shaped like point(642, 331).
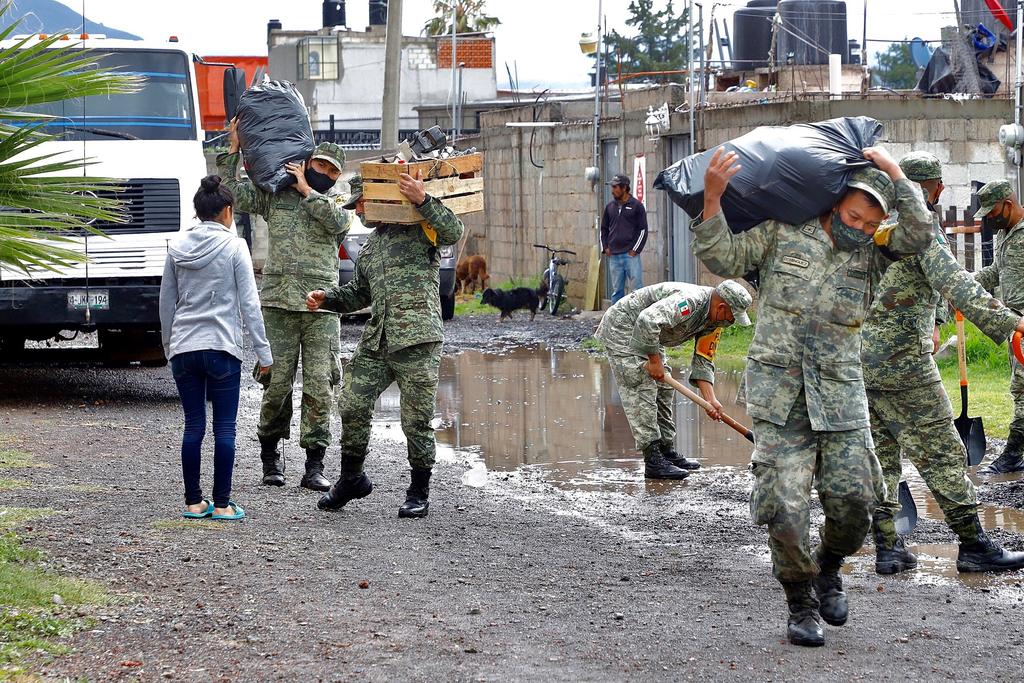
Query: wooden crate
point(457, 182)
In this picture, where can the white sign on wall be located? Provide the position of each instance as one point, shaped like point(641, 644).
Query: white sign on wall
point(640, 178)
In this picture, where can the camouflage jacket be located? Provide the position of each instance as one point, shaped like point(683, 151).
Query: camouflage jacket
point(897, 341)
point(665, 314)
point(1007, 269)
point(398, 276)
point(811, 304)
point(304, 233)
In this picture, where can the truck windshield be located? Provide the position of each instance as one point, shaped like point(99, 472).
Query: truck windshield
point(160, 110)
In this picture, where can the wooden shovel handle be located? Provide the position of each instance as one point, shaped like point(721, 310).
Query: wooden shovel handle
point(961, 348)
point(1015, 347)
point(699, 400)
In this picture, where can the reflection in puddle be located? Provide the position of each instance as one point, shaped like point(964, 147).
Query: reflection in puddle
point(557, 415)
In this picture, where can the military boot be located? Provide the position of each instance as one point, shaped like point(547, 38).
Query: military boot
point(891, 554)
point(680, 461)
point(828, 586)
point(657, 467)
point(416, 503)
point(273, 463)
point(985, 555)
point(804, 627)
point(1012, 457)
point(314, 477)
point(353, 483)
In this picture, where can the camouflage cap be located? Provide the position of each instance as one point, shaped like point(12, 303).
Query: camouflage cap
point(991, 194)
point(331, 153)
point(355, 189)
point(921, 166)
point(738, 298)
point(877, 184)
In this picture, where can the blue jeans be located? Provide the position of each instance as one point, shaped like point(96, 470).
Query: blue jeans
point(214, 375)
point(621, 266)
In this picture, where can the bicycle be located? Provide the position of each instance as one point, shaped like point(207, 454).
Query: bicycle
point(552, 283)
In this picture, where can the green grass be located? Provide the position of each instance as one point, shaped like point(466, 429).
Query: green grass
point(6, 484)
point(471, 304)
point(30, 621)
point(11, 458)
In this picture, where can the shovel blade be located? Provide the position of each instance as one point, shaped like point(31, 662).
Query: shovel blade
point(972, 433)
point(906, 518)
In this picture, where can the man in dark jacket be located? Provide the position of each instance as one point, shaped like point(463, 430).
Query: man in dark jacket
point(623, 236)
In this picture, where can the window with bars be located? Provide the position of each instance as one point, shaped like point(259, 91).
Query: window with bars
point(318, 58)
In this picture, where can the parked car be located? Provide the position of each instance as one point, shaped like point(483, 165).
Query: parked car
point(349, 250)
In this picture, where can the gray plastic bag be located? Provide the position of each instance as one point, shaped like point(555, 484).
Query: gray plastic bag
point(790, 173)
point(273, 130)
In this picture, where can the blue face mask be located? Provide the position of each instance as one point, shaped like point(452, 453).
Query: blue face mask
point(848, 238)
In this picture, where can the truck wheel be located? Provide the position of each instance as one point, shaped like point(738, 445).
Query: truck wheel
point(447, 306)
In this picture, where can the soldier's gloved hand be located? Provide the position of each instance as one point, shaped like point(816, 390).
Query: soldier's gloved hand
point(315, 299)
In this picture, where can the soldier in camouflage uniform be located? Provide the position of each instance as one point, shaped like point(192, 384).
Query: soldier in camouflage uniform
point(804, 383)
point(397, 275)
point(1006, 218)
point(635, 332)
point(305, 225)
point(908, 405)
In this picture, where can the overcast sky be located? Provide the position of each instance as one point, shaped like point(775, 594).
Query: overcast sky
point(539, 36)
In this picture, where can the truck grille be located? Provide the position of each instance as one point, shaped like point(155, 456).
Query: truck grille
point(152, 205)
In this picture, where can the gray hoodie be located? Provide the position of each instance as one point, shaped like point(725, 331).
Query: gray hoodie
point(208, 289)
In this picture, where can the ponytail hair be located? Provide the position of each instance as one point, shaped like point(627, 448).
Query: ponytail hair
point(211, 198)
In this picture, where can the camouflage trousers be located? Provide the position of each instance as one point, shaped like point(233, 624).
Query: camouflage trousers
point(919, 422)
point(315, 339)
point(787, 462)
point(370, 372)
point(647, 404)
point(1017, 394)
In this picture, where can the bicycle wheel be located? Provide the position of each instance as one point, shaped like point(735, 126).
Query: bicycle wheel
point(556, 293)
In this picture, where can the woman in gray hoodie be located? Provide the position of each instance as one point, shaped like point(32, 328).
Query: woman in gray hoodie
point(208, 291)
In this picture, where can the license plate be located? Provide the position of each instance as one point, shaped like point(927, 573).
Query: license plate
point(95, 299)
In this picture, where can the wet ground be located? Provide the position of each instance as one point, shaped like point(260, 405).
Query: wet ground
point(546, 554)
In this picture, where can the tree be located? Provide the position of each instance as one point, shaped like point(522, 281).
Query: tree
point(661, 43)
point(469, 18)
point(896, 68)
point(36, 201)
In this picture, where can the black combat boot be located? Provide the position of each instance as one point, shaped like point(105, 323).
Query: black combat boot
point(828, 586)
point(416, 503)
point(680, 461)
point(657, 467)
point(985, 555)
point(1012, 457)
point(804, 622)
point(314, 477)
point(353, 483)
point(273, 463)
point(891, 554)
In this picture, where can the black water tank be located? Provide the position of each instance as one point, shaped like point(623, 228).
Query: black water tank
point(378, 12)
point(273, 25)
point(811, 30)
point(334, 13)
point(752, 34)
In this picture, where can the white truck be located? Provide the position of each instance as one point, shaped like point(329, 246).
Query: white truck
point(151, 142)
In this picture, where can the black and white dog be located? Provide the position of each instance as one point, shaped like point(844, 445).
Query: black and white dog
point(508, 300)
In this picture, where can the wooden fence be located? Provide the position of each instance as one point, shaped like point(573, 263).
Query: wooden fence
point(971, 245)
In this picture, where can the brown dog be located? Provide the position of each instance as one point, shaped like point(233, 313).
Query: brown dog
point(471, 270)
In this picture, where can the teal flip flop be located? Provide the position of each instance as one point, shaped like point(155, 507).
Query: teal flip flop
point(199, 515)
point(239, 513)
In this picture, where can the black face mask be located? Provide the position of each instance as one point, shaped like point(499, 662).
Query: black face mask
point(1000, 221)
point(318, 181)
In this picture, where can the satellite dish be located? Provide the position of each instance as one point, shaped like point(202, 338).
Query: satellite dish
point(920, 52)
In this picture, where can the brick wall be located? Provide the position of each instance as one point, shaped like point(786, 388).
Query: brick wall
point(475, 53)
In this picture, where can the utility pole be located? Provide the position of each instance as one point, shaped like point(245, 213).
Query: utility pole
point(392, 77)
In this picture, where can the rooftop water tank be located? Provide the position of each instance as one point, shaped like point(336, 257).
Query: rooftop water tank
point(334, 13)
point(752, 34)
point(811, 30)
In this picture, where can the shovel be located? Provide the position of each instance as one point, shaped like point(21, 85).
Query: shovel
point(906, 518)
point(971, 429)
point(699, 400)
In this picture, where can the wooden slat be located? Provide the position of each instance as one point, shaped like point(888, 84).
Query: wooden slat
point(441, 168)
point(443, 187)
point(407, 213)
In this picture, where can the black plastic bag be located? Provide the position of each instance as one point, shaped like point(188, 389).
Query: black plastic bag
point(273, 130)
point(938, 77)
point(790, 173)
